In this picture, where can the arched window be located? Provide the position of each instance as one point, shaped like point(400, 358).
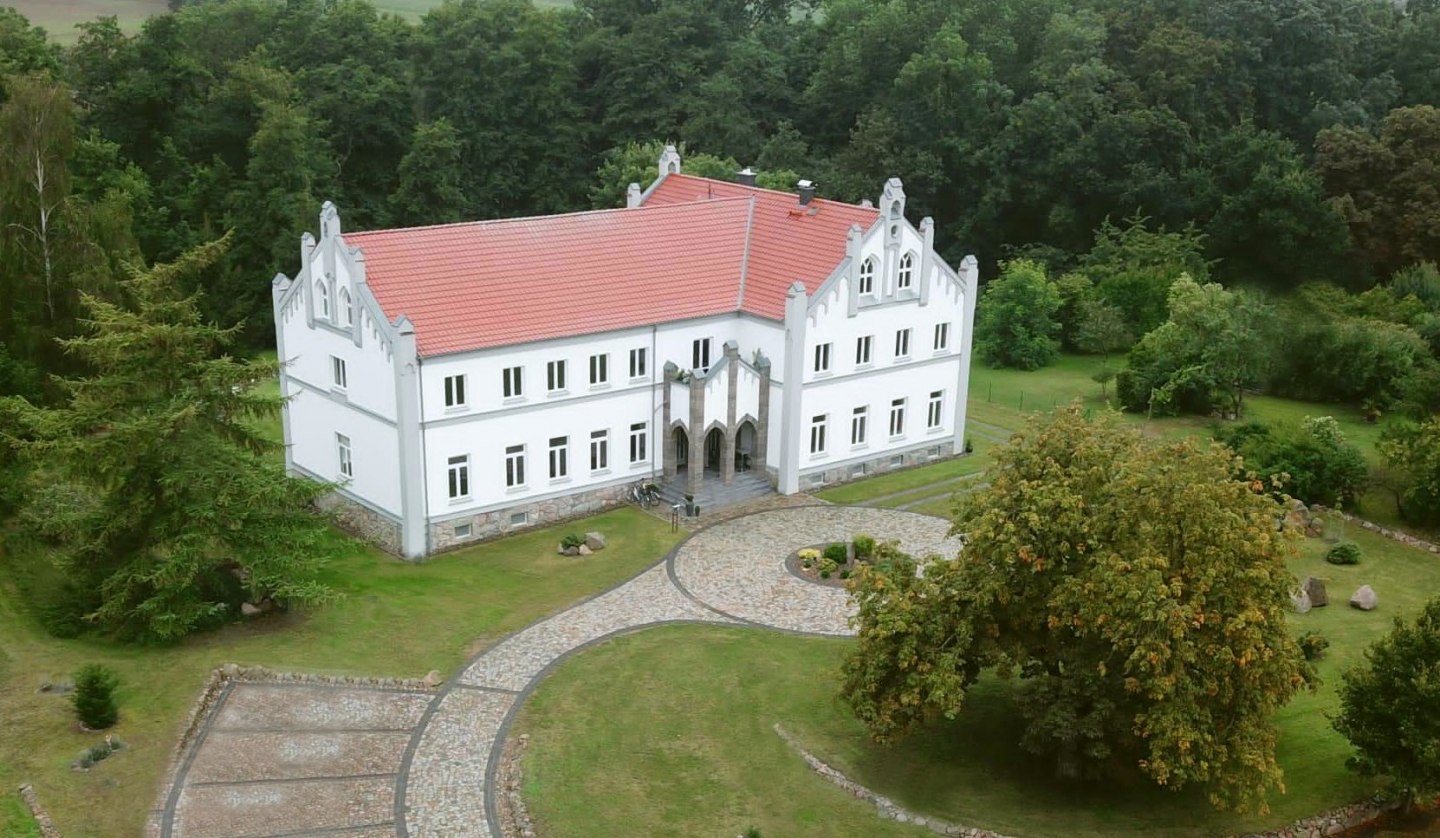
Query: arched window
point(907, 272)
point(867, 276)
point(322, 299)
point(347, 308)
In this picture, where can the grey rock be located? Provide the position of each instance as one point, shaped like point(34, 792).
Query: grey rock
point(584, 550)
point(1364, 599)
point(1316, 589)
point(1301, 601)
point(432, 679)
point(249, 609)
point(595, 541)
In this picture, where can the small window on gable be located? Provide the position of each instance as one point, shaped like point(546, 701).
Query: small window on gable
point(322, 299)
point(906, 279)
point(347, 307)
point(867, 276)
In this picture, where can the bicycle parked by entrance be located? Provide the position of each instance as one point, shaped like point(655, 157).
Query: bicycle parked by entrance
point(645, 493)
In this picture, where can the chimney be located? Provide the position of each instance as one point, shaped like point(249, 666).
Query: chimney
point(745, 177)
point(633, 196)
point(807, 192)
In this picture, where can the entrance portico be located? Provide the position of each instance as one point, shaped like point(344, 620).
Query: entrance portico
point(717, 419)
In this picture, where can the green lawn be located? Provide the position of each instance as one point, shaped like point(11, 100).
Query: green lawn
point(396, 619)
point(689, 750)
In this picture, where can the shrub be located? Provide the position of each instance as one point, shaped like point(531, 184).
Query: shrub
point(572, 540)
point(837, 553)
point(828, 566)
point(844, 574)
point(1015, 324)
point(95, 753)
point(1313, 645)
point(94, 696)
point(824, 574)
point(864, 546)
point(752, 832)
point(1322, 466)
point(1346, 552)
point(808, 556)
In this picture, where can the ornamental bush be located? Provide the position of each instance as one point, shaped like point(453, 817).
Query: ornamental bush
point(94, 696)
point(1313, 645)
point(1346, 552)
point(837, 553)
point(572, 540)
point(864, 546)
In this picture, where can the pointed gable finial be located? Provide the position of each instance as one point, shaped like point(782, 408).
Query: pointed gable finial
point(633, 196)
point(329, 220)
point(669, 160)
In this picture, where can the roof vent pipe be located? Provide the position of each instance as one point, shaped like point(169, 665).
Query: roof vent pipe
point(807, 192)
point(745, 177)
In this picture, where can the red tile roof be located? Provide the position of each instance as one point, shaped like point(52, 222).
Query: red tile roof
point(492, 283)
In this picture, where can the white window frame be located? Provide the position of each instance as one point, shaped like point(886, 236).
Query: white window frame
point(640, 442)
point(823, 351)
point(339, 375)
point(457, 474)
point(897, 418)
point(865, 351)
point(942, 337)
point(866, 279)
point(905, 277)
point(599, 451)
point(346, 308)
point(639, 362)
point(600, 370)
point(344, 452)
point(860, 425)
point(818, 427)
point(512, 382)
point(322, 295)
point(455, 396)
point(559, 459)
point(902, 343)
point(700, 355)
point(555, 376)
point(935, 411)
point(515, 467)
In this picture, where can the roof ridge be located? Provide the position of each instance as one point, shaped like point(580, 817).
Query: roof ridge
point(745, 254)
point(769, 191)
point(495, 221)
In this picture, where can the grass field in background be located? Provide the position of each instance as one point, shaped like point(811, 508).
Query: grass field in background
point(689, 750)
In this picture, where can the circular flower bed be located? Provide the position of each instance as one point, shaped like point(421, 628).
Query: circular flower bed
point(831, 564)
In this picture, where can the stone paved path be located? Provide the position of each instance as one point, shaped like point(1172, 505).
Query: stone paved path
point(399, 763)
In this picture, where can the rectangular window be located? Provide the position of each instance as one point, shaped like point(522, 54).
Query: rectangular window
point(817, 435)
point(700, 355)
point(862, 350)
point(932, 412)
point(559, 457)
point(555, 376)
point(858, 421)
point(639, 442)
point(519, 519)
point(942, 337)
point(454, 391)
point(822, 357)
point(460, 477)
point(638, 363)
point(897, 417)
point(463, 531)
point(514, 382)
point(902, 343)
point(342, 446)
point(599, 370)
point(515, 466)
point(337, 372)
point(599, 450)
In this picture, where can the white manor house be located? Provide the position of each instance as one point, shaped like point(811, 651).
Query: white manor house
point(462, 381)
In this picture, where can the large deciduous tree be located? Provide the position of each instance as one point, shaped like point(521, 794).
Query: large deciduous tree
point(159, 498)
point(1390, 706)
point(1132, 587)
point(1414, 450)
point(1015, 324)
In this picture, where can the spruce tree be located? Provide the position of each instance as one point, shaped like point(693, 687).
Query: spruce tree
point(94, 696)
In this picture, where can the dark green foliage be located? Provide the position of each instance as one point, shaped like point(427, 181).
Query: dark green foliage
point(1421, 281)
point(1329, 354)
point(94, 696)
point(1134, 266)
point(864, 546)
point(1390, 707)
point(1413, 449)
point(572, 540)
point(1310, 460)
point(97, 753)
point(1346, 552)
point(837, 553)
point(1313, 645)
point(1015, 323)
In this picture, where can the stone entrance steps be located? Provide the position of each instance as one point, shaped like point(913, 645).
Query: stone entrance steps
point(714, 494)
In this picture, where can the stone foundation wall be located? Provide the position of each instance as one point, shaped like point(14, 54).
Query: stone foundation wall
point(895, 461)
point(363, 522)
point(498, 522)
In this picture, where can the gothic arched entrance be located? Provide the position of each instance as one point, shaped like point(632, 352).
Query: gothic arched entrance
point(714, 444)
point(681, 441)
point(745, 446)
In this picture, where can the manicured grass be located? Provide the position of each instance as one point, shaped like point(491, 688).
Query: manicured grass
point(688, 747)
point(396, 619)
point(909, 479)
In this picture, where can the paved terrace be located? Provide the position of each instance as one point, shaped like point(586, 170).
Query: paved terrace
point(302, 759)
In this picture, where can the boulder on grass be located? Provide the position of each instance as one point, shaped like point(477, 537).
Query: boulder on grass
point(1364, 599)
point(595, 541)
point(1316, 589)
point(584, 550)
point(1301, 601)
point(572, 551)
point(433, 679)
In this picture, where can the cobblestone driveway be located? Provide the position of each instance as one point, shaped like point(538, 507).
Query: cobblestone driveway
point(290, 760)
